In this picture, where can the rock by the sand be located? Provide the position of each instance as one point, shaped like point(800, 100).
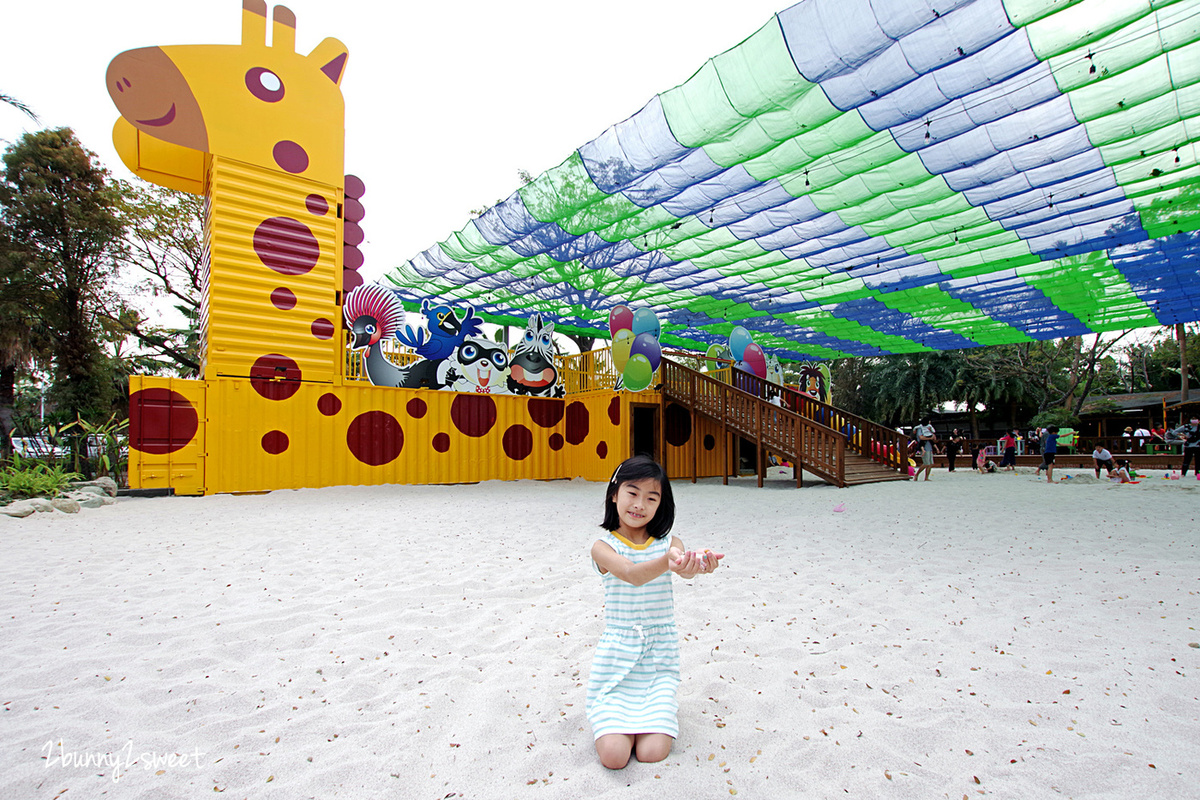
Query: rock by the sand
point(66, 505)
point(21, 508)
point(87, 499)
point(105, 484)
point(41, 504)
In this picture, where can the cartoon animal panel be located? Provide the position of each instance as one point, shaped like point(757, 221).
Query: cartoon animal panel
point(532, 369)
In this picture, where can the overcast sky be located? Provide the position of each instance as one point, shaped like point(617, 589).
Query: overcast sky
point(445, 101)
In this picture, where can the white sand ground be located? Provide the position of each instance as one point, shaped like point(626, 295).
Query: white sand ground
point(974, 635)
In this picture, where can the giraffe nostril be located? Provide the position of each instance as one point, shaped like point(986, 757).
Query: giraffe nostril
point(127, 83)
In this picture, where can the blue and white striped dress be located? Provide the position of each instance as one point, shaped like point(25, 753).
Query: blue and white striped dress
point(635, 671)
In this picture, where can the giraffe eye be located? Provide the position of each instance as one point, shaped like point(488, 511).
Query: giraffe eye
point(264, 84)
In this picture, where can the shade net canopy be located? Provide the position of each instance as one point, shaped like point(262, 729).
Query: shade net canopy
point(863, 177)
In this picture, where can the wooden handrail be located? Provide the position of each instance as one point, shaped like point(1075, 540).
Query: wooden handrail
point(814, 446)
point(870, 439)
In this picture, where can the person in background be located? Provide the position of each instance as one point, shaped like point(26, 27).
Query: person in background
point(1140, 437)
point(1122, 473)
point(1009, 442)
point(1101, 457)
point(1049, 451)
point(926, 436)
point(1127, 439)
point(1033, 442)
point(1190, 436)
point(952, 447)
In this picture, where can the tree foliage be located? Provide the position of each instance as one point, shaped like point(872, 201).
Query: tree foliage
point(60, 212)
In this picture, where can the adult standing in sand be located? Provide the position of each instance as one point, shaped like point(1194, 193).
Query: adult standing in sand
point(1010, 451)
point(1190, 436)
point(953, 445)
point(1049, 451)
point(926, 436)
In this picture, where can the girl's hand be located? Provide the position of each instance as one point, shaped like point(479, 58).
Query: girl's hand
point(692, 563)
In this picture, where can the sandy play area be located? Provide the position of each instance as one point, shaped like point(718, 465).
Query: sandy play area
point(974, 635)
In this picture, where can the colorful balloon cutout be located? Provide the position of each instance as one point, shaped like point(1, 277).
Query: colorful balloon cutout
point(638, 373)
point(621, 344)
point(739, 340)
point(646, 345)
point(644, 321)
point(755, 359)
point(620, 319)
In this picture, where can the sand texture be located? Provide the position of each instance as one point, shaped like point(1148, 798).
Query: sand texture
point(974, 635)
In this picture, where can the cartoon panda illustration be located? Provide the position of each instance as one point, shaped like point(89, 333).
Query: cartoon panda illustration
point(477, 365)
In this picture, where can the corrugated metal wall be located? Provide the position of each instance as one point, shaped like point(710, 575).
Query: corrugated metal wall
point(166, 434)
point(252, 309)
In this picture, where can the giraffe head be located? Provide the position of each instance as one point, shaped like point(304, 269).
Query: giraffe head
point(264, 105)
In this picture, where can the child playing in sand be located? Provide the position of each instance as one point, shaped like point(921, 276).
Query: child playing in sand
point(1122, 473)
point(631, 701)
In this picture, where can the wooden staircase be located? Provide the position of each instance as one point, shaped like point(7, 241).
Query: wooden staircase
point(840, 448)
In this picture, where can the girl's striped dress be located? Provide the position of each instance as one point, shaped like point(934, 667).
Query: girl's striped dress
point(635, 671)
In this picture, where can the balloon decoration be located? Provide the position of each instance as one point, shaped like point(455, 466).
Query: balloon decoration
point(636, 352)
point(747, 356)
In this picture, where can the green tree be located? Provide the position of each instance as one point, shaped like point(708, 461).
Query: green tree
point(163, 257)
point(902, 388)
point(24, 339)
point(61, 212)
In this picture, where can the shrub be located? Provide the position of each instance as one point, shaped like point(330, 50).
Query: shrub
point(25, 478)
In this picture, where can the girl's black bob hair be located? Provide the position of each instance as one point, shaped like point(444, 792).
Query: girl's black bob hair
point(633, 470)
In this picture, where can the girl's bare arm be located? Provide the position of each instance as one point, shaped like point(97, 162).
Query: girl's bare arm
point(609, 560)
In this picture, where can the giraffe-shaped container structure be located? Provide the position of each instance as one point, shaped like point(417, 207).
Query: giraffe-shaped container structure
point(259, 130)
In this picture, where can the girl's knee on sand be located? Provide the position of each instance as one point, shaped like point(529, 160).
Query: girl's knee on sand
point(615, 749)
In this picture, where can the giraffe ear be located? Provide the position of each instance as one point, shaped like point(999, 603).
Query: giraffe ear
point(331, 55)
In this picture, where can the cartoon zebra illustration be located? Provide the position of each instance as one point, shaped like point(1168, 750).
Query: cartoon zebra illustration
point(532, 371)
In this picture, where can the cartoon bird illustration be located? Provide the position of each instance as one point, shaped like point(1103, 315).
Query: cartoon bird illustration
point(445, 331)
point(374, 315)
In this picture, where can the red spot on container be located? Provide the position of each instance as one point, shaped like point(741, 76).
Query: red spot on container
point(602, 449)
point(161, 421)
point(416, 408)
point(353, 211)
point(353, 234)
point(275, 376)
point(286, 246)
point(329, 404)
point(678, 425)
point(709, 441)
point(275, 442)
point(290, 157)
point(441, 442)
point(546, 412)
point(473, 414)
point(614, 411)
point(316, 205)
point(322, 328)
point(352, 257)
point(375, 438)
point(578, 423)
point(351, 280)
point(283, 298)
point(518, 442)
point(556, 441)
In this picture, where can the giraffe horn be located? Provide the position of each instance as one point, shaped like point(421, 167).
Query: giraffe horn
point(254, 22)
point(283, 32)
